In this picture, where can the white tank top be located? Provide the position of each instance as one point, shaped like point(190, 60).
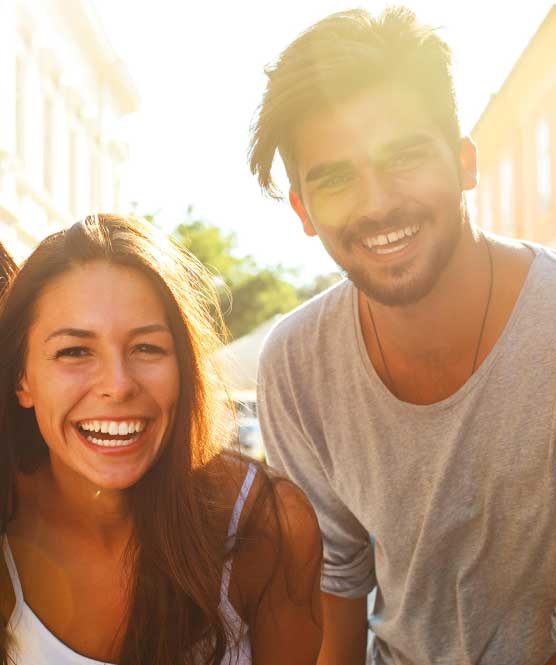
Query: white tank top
point(33, 644)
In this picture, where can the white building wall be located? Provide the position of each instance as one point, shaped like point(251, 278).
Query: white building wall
point(63, 93)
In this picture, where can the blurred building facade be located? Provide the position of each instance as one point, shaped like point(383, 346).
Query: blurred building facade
point(63, 93)
point(516, 137)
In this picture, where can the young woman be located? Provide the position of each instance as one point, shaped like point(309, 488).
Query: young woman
point(128, 536)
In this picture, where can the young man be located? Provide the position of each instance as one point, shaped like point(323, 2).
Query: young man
point(415, 402)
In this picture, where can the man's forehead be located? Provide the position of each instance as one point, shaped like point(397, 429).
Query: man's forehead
point(377, 120)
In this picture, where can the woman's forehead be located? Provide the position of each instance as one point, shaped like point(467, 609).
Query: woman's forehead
point(99, 294)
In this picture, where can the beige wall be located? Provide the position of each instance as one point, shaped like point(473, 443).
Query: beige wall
point(63, 94)
point(516, 137)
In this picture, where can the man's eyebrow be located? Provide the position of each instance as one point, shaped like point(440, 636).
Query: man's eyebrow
point(326, 169)
point(405, 142)
point(89, 334)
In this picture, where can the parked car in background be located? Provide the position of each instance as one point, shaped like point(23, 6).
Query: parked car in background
point(249, 437)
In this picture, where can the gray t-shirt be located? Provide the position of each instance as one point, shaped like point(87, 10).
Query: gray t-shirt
point(448, 509)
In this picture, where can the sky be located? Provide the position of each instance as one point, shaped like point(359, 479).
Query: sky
point(198, 67)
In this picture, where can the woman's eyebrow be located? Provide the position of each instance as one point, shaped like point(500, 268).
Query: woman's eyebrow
point(89, 334)
point(152, 328)
point(71, 332)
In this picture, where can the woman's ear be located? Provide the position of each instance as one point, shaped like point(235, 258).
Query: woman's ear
point(23, 393)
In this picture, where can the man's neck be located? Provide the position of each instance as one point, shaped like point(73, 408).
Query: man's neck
point(430, 348)
point(447, 317)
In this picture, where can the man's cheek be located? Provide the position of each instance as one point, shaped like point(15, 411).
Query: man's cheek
point(332, 210)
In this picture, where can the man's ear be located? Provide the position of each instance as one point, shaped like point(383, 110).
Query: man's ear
point(23, 394)
point(468, 163)
point(300, 211)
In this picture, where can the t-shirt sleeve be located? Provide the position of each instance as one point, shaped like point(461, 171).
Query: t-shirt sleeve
point(348, 567)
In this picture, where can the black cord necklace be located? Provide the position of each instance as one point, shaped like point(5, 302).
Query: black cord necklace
point(391, 383)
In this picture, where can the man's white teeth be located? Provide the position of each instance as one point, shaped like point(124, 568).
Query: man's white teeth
point(120, 427)
point(394, 236)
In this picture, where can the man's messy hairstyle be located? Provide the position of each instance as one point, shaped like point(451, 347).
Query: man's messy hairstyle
point(341, 56)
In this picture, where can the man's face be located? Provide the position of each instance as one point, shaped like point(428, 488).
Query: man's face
point(382, 189)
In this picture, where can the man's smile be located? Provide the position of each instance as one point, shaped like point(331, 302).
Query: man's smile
point(393, 241)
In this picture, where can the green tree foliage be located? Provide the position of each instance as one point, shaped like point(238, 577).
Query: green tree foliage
point(319, 284)
point(258, 297)
point(249, 294)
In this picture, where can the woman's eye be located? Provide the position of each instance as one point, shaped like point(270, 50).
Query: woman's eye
point(150, 349)
point(72, 352)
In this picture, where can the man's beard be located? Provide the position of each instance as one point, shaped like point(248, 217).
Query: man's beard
point(402, 285)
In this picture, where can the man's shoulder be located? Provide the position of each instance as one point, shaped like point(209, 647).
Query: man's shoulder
point(304, 326)
point(544, 262)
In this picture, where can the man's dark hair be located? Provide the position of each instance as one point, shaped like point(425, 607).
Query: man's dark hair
point(338, 57)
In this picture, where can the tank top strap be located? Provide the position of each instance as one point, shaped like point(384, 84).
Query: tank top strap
point(12, 570)
point(234, 523)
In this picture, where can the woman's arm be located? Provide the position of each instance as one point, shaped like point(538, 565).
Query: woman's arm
point(345, 633)
point(280, 567)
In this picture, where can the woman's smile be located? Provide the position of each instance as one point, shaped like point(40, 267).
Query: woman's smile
point(113, 435)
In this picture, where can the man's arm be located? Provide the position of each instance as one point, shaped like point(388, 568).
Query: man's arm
point(294, 449)
point(345, 630)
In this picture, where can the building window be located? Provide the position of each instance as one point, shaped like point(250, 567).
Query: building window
point(48, 144)
point(20, 126)
point(543, 164)
point(506, 197)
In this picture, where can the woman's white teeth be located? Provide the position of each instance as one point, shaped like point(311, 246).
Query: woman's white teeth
point(394, 236)
point(110, 443)
point(120, 427)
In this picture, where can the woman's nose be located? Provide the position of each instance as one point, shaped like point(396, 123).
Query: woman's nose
point(116, 381)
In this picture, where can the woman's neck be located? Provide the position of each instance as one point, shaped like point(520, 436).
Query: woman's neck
point(64, 499)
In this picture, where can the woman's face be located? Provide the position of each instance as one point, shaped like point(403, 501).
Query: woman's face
point(101, 373)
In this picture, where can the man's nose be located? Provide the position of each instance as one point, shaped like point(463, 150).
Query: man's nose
point(378, 196)
point(116, 381)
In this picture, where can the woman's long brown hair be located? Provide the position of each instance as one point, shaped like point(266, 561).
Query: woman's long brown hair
point(8, 267)
point(178, 547)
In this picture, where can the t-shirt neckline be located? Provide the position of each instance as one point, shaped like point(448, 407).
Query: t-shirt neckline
point(475, 379)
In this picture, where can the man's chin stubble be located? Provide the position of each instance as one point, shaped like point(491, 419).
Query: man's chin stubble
point(406, 289)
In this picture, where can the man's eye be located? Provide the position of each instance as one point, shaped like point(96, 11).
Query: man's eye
point(406, 159)
point(335, 181)
point(72, 352)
